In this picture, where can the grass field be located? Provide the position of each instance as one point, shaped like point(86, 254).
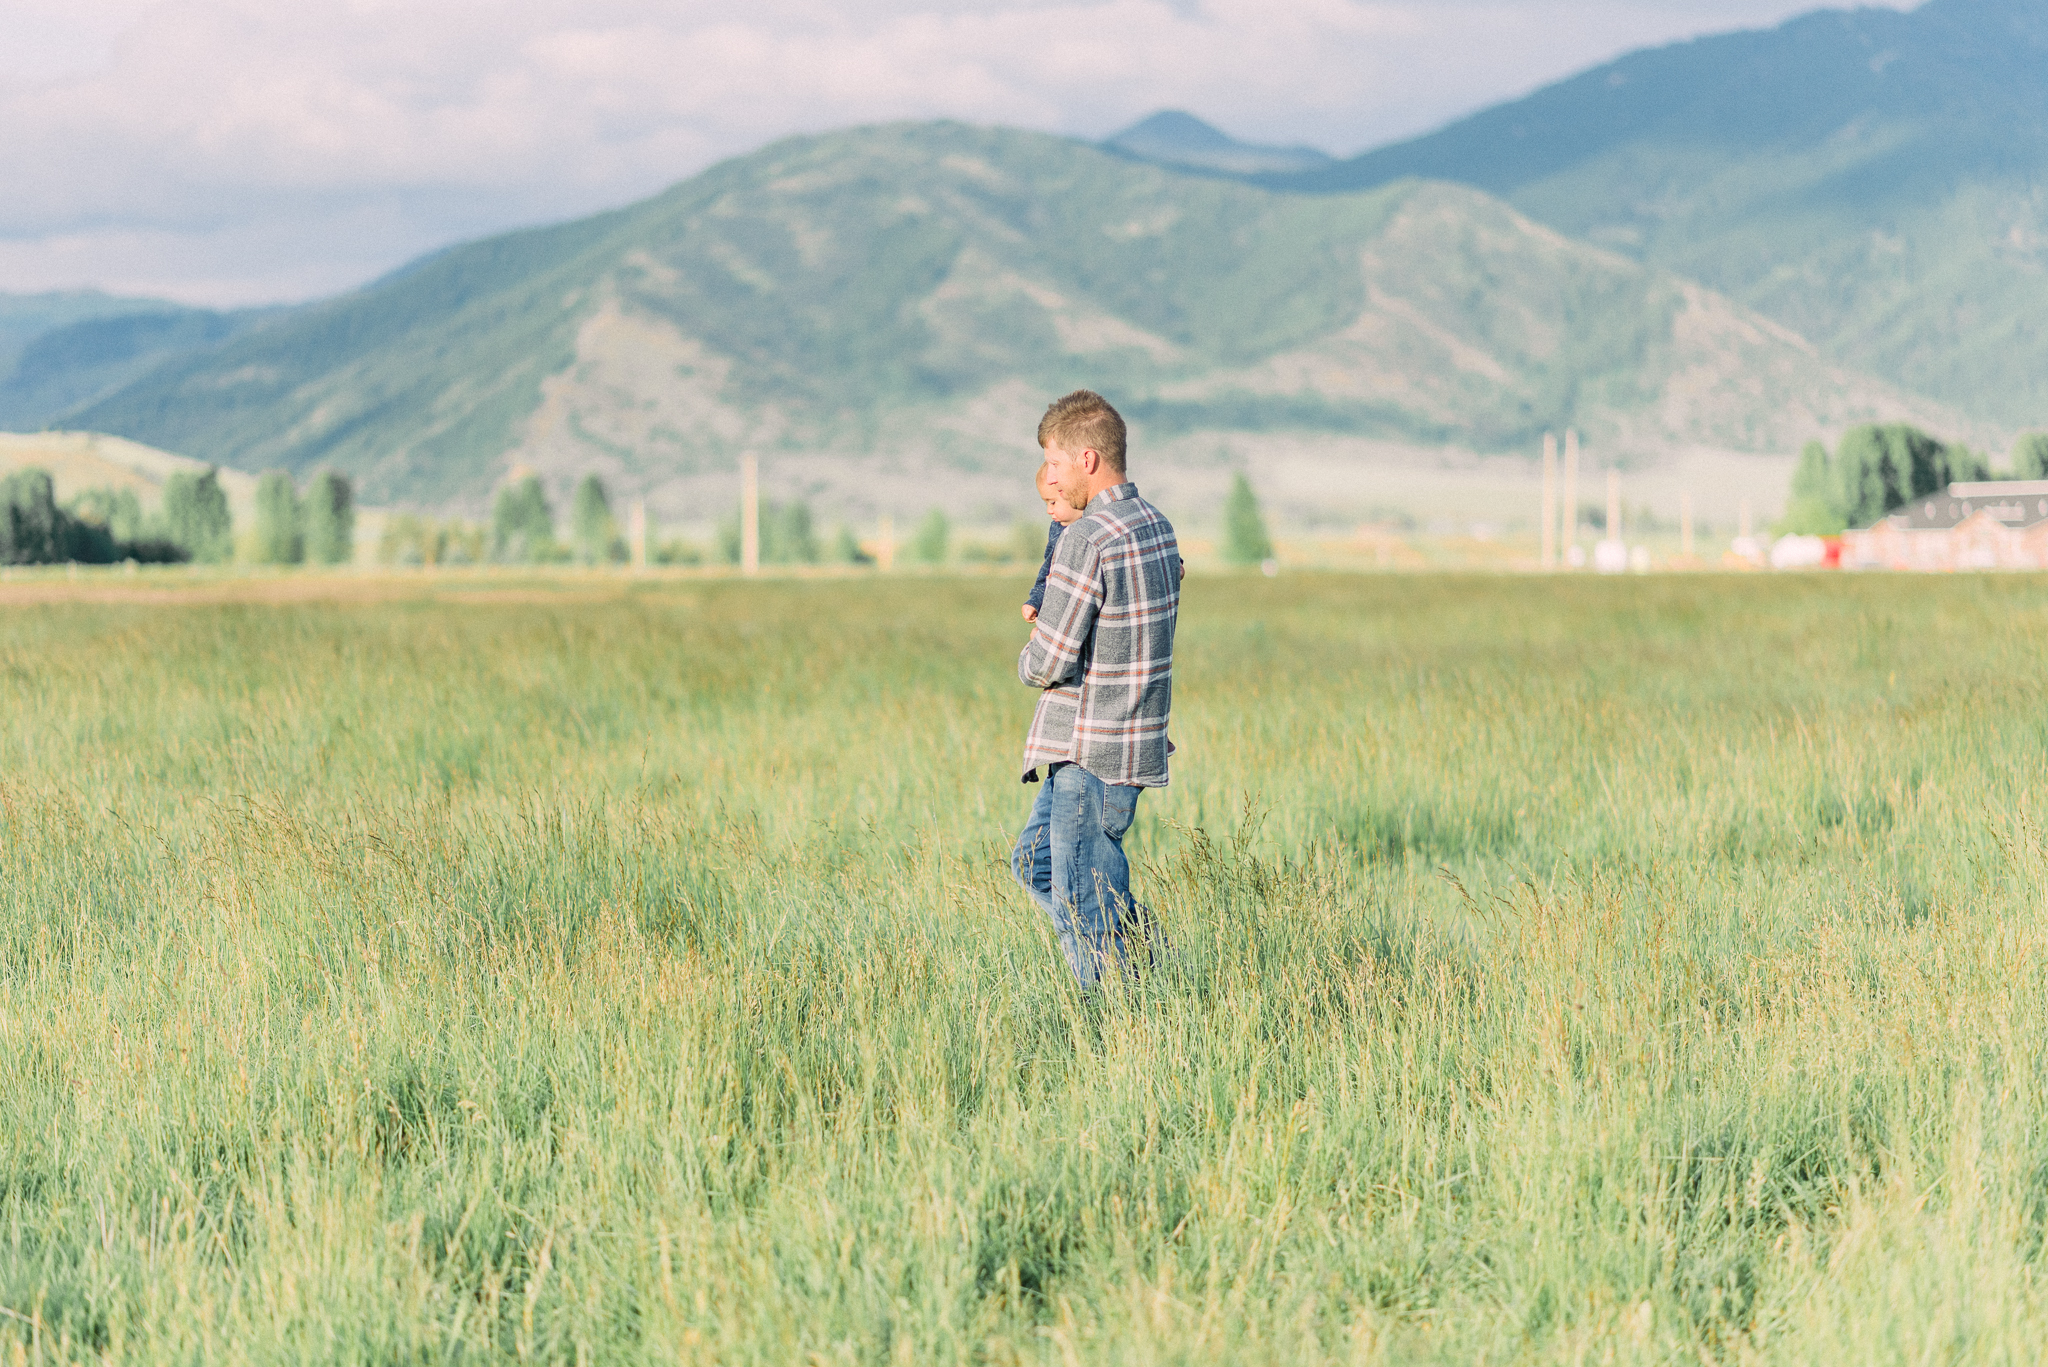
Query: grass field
point(1564, 971)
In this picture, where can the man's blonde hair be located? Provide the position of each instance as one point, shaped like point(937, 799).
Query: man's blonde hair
point(1084, 420)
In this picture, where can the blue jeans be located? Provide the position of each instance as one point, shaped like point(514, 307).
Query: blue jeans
point(1070, 858)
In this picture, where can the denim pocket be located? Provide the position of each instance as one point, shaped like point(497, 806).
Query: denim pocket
point(1119, 808)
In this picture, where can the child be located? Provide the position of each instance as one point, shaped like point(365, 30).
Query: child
point(1061, 513)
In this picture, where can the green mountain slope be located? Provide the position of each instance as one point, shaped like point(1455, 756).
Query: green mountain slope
point(913, 294)
point(25, 317)
point(1875, 180)
point(1175, 138)
point(79, 362)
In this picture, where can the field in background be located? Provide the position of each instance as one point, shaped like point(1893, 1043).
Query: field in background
point(1638, 970)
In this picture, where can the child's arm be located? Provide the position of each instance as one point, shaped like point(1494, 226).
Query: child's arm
point(1037, 598)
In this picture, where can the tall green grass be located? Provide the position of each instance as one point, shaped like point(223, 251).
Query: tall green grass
point(1562, 971)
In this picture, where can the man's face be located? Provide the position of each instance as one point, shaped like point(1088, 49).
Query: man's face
point(1066, 474)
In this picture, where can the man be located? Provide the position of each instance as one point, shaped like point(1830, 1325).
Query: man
point(1102, 652)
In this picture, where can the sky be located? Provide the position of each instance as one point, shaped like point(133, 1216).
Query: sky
point(233, 152)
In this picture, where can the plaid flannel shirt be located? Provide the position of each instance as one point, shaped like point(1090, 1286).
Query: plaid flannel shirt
point(1102, 649)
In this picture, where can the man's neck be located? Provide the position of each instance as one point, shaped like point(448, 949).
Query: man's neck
point(1104, 480)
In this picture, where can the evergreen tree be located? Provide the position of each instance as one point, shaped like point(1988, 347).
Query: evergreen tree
point(196, 517)
point(330, 519)
point(280, 536)
point(1245, 541)
point(522, 524)
point(929, 545)
point(590, 521)
point(2030, 456)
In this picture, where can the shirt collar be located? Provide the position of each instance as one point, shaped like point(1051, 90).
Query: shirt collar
point(1115, 493)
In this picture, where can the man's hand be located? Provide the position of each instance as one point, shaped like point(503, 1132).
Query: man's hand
point(1030, 613)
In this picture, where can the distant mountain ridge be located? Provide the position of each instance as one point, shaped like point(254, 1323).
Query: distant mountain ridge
point(1875, 180)
point(1175, 138)
point(906, 298)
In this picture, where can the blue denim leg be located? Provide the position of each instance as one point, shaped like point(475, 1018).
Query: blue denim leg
point(1031, 860)
point(1070, 857)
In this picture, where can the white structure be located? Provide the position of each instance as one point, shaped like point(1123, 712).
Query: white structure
point(1798, 553)
point(1976, 525)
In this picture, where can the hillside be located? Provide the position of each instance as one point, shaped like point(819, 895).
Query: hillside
point(1175, 138)
point(889, 308)
point(78, 362)
point(1871, 179)
point(78, 461)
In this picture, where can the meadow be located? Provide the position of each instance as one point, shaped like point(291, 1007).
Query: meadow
point(596, 970)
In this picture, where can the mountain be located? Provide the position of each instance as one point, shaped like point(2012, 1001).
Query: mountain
point(1174, 138)
point(1875, 180)
point(76, 363)
point(884, 312)
point(24, 317)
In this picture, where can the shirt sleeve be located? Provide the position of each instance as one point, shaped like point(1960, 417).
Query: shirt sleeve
point(1052, 541)
point(1073, 597)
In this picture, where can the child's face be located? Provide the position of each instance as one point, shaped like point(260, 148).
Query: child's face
point(1057, 508)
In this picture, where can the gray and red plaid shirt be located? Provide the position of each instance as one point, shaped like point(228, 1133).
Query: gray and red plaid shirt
point(1103, 646)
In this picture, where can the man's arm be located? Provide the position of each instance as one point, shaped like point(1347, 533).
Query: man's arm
point(1073, 597)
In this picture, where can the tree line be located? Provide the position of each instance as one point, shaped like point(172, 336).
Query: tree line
point(193, 523)
point(1877, 469)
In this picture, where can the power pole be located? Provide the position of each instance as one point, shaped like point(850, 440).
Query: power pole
point(750, 514)
point(636, 534)
point(1571, 491)
point(1549, 538)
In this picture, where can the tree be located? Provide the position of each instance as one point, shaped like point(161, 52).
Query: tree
point(590, 521)
point(929, 545)
point(330, 519)
point(1245, 541)
point(522, 524)
point(795, 540)
point(280, 536)
point(846, 548)
point(1879, 469)
point(33, 529)
point(196, 516)
point(2030, 456)
point(1811, 510)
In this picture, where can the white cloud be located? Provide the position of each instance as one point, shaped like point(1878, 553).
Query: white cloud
point(237, 150)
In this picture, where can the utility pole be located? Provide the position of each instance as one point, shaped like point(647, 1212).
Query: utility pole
point(1571, 490)
point(1549, 538)
point(750, 514)
point(636, 534)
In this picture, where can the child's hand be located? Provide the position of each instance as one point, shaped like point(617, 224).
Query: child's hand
point(1030, 613)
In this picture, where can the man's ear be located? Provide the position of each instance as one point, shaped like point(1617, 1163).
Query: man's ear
point(1091, 460)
